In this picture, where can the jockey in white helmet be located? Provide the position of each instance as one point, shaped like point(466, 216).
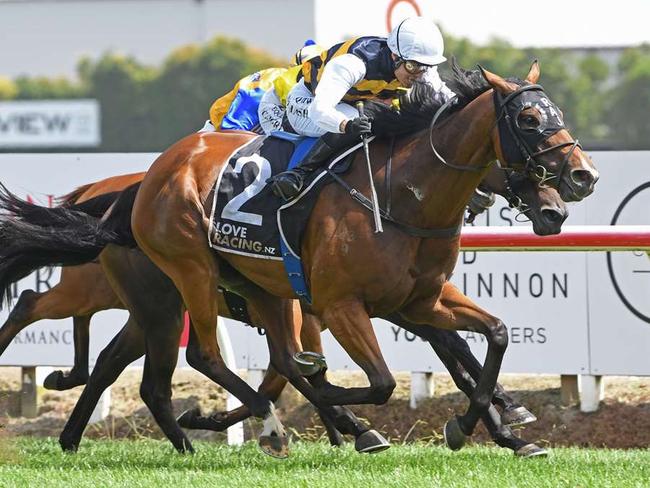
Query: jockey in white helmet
point(322, 103)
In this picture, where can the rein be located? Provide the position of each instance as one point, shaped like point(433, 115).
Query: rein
point(439, 112)
point(530, 165)
point(360, 198)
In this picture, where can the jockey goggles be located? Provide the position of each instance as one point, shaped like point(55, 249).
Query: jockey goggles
point(411, 67)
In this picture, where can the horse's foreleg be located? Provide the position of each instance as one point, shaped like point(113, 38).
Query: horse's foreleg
point(452, 345)
point(310, 338)
point(78, 375)
point(439, 340)
point(464, 368)
point(283, 344)
point(350, 325)
point(456, 311)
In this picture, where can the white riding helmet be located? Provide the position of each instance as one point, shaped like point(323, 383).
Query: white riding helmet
point(417, 39)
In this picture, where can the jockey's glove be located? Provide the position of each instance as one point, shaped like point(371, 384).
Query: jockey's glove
point(361, 126)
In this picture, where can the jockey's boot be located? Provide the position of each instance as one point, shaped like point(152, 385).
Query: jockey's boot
point(288, 184)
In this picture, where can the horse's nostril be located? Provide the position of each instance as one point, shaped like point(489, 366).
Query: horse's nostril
point(553, 215)
point(582, 177)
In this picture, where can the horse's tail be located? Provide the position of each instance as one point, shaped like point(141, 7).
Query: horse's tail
point(32, 236)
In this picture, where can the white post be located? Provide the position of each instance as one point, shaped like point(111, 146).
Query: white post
point(592, 391)
point(28, 392)
point(103, 407)
point(235, 432)
point(422, 387)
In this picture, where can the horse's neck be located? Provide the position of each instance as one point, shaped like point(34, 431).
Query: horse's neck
point(432, 193)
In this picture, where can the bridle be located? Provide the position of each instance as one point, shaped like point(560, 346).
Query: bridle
point(506, 122)
point(519, 156)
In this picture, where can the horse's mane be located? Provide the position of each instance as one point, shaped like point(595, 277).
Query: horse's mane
point(419, 105)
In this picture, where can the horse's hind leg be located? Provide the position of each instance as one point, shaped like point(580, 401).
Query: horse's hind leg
point(156, 391)
point(196, 275)
point(82, 291)
point(52, 304)
point(125, 348)
point(22, 315)
point(159, 313)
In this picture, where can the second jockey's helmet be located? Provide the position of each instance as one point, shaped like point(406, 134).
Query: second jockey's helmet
point(417, 39)
point(308, 51)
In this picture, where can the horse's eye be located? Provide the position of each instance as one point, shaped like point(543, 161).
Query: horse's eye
point(528, 122)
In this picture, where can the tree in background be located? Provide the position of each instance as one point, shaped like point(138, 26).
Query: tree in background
point(193, 77)
point(8, 89)
point(121, 85)
point(576, 85)
point(629, 101)
point(146, 108)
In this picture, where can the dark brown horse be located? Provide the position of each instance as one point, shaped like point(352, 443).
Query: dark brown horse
point(346, 263)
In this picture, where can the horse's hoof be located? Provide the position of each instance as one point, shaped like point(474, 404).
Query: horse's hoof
point(68, 445)
point(531, 450)
point(517, 416)
point(454, 436)
point(309, 363)
point(275, 446)
point(371, 442)
point(53, 380)
point(188, 417)
point(59, 381)
point(184, 447)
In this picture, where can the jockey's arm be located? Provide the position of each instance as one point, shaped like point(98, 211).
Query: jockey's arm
point(339, 75)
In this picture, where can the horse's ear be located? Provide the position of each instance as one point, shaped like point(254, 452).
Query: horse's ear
point(533, 74)
point(496, 81)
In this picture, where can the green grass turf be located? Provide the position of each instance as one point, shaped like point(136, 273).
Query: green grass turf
point(40, 463)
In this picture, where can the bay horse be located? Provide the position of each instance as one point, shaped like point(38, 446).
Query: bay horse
point(348, 275)
point(85, 290)
point(352, 272)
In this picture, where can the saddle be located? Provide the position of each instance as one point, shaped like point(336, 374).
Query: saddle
point(248, 219)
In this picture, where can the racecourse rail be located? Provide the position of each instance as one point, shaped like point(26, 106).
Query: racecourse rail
point(572, 238)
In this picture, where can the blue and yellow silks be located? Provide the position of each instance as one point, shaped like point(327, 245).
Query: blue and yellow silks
point(237, 110)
